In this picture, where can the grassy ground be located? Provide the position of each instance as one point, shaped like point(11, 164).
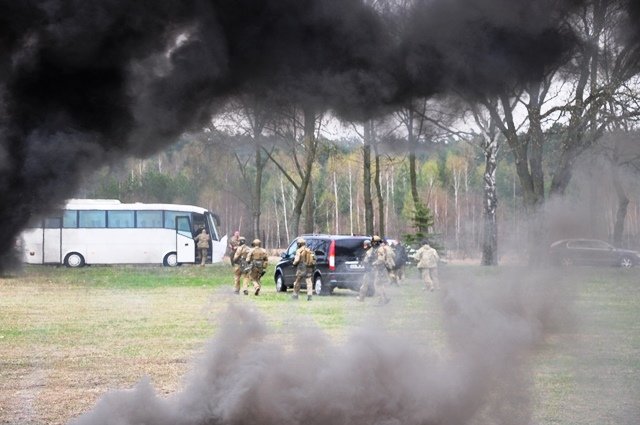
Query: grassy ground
point(69, 336)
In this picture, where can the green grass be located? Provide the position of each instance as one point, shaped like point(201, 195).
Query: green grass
point(68, 336)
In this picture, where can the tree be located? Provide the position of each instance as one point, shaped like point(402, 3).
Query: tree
point(583, 90)
point(488, 142)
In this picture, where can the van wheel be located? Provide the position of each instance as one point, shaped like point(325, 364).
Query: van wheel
point(74, 260)
point(319, 288)
point(170, 260)
point(280, 286)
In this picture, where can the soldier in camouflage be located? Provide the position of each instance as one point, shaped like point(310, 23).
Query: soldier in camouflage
point(427, 259)
point(257, 260)
point(234, 242)
point(240, 271)
point(304, 262)
point(202, 243)
point(375, 259)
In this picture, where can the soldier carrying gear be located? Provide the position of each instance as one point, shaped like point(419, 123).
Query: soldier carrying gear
point(202, 241)
point(305, 262)
point(258, 261)
point(376, 257)
point(241, 242)
point(241, 271)
point(234, 242)
point(427, 259)
point(390, 262)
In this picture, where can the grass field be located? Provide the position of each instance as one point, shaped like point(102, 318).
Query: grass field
point(67, 337)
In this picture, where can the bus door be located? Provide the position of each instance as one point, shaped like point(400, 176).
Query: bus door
point(51, 240)
point(185, 244)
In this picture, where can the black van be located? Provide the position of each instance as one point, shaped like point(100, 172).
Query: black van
point(337, 263)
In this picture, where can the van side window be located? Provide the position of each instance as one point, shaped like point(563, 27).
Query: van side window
point(321, 246)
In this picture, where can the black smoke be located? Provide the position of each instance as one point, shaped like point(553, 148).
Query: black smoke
point(87, 82)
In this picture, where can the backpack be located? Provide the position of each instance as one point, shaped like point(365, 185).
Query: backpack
point(310, 259)
point(389, 258)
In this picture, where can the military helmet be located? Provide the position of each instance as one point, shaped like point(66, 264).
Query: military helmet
point(241, 240)
point(256, 242)
point(301, 242)
point(366, 242)
point(375, 240)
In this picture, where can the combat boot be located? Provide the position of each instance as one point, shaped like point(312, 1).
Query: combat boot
point(245, 292)
point(294, 296)
point(308, 297)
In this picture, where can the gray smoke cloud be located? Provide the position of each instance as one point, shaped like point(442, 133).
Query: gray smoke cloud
point(248, 374)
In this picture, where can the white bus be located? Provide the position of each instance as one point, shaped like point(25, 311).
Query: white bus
point(106, 231)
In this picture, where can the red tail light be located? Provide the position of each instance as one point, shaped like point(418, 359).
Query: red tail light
point(332, 256)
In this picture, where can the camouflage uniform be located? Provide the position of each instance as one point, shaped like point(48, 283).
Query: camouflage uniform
point(239, 260)
point(390, 263)
point(258, 261)
point(202, 242)
point(304, 264)
point(234, 243)
point(428, 258)
point(376, 259)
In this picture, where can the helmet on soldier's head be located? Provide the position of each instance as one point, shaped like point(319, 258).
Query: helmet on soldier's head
point(301, 242)
point(241, 240)
point(256, 242)
point(375, 240)
point(366, 243)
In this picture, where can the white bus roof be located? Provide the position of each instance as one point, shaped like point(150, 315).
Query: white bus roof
point(114, 204)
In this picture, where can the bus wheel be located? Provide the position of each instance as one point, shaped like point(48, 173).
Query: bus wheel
point(170, 260)
point(74, 260)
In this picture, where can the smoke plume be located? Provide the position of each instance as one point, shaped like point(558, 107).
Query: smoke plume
point(84, 83)
point(249, 375)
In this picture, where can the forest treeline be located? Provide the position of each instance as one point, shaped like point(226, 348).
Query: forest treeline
point(492, 173)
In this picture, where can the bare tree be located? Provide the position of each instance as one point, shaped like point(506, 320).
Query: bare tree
point(302, 148)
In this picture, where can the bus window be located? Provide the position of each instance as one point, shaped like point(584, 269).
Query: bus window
point(70, 219)
point(120, 219)
point(92, 219)
point(170, 218)
point(52, 223)
point(149, 219)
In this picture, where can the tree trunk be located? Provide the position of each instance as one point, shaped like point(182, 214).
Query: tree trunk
point(368, 201)
point(376, 180)
point(256, 199)
point(490, 237)
point(336, 208)
point(623, 203)
point(284, 211)
point(310, 145)
point(310, 208)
